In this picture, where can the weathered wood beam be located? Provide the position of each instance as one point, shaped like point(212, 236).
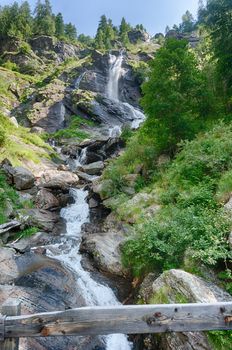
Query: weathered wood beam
point(11, 307)
point(123, 319)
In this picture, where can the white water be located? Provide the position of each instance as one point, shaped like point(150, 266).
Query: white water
point(93, 292)
point(115, 72)
point(112, 90)
point(78, 80)
point(115, 131)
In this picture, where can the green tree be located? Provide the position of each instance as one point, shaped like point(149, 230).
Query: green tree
point(44, 23)
point(70, 31)
point(124, 28)
point(99, 40)
point(188, 24)
point(176, 99)
point(59, 22)
point(218, 18)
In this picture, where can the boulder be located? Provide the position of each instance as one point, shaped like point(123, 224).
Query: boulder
point(136, 35)
point(178, 286)
point(55, 179)
point(25, 244)
point(42, 219)
point(85, 177)
point(93, 168)
point(46, 200)
point(104, 247)
point(23, 178)
point(103, 188)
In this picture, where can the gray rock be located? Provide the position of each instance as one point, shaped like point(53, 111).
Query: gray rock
point(46, 200)
point(36, 240)
point(23, 178)
point(42, 219)
point(55, 179)
point(103, 188)
point(93, 168)
point(176, 286)
point(104, 247)
point(138, 35)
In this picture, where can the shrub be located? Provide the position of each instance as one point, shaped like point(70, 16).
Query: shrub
point(11, 66)
point(2, 136)
point(25, 48)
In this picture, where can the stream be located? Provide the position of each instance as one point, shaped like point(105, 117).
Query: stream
point(78, 213)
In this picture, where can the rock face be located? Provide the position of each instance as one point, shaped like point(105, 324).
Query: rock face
point(178, 286)
point(138, 35)
point(41, 284)
point(23, 179)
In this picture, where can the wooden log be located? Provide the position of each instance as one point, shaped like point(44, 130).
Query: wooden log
point(123, 319)
point(11, 307)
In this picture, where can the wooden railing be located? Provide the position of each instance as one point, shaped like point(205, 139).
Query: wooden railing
point(141, 319)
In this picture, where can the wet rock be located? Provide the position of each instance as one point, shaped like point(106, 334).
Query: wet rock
point(85, 177)
point(93, 168)
point(23, 179)
point(55, 179)
point(46, 200)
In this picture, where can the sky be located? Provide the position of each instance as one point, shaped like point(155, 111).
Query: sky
point(155, 15)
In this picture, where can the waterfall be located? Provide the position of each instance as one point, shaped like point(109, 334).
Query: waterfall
point(112, 91)
point(115, 72)
point(78, 80)
point(94, 293)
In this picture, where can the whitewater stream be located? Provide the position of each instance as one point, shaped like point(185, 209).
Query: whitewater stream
point(67, 252)
point(78, 213)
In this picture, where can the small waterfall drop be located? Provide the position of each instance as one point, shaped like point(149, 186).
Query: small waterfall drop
point(115, 72)
point(112, 92)
point(94, 293)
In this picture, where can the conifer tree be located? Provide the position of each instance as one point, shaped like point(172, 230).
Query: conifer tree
point(59, 23)
point(70, 31)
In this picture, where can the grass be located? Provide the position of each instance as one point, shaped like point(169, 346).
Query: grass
point(74, 129)
point(19, 144)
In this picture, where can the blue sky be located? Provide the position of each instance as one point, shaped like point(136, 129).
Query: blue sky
point(153, 14)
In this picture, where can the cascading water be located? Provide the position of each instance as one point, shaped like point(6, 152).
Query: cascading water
point(75, 215)
point(115, 73)
point(112, 90)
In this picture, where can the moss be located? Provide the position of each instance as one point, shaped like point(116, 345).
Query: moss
point(160, 297)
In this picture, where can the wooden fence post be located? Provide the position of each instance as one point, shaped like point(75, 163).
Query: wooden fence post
point(11, 307)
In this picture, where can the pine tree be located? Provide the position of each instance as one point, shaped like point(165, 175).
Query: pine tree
point(188, 24)
point(44, 23)
point(99, 40)
point(59, 22)
point(70, 31)
point(123, 32)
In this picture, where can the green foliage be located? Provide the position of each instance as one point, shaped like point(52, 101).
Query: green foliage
point(3, 136)
point(220, 340)
point(28, 232)
point(10, 65)
point(190, 217)
point(25, 48)
point(176, 99)
point(217, 17)
point(73, 130)
point(16, 21)
point(8, 196)
point(20, 144)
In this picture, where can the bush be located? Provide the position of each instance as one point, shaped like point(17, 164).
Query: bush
point(191, 217)
point(25, 48)
point(11, 66)
point(2, 136)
